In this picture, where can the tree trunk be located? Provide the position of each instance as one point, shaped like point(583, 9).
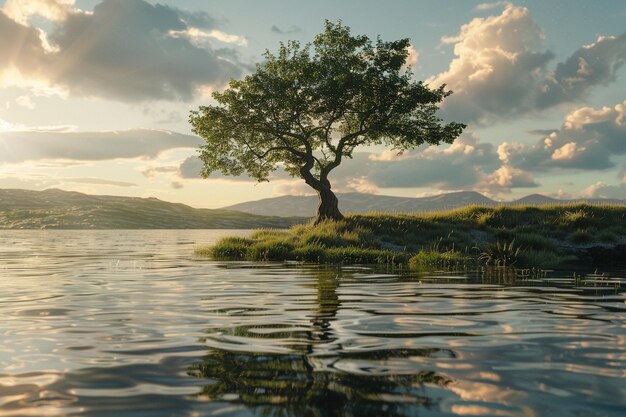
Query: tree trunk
point(328, 208)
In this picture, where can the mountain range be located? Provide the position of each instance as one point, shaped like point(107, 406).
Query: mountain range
point(365, 203)
point(58, 209)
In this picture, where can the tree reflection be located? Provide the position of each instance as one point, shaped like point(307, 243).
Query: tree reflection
point(306, 383)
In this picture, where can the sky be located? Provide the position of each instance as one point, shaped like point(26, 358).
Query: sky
point(95, 95)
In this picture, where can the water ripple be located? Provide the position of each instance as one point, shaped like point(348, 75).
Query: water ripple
point(110, 323)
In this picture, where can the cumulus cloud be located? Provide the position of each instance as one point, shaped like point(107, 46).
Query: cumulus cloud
point(21, 48)
point(590, 65)
point(602, 190)
point(128, 50)
point(90, 146)
point(589, 139)
point(507, 177)
point(497, 58)
point(501, 68)
point(22, 10)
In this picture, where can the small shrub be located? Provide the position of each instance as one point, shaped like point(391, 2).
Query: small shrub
point(577, 218)
point(483, 219)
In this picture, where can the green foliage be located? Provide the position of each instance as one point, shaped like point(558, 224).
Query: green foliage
point(304, 97)
point(307, 108)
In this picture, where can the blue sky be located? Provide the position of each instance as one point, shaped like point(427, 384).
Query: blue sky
point(94, 95)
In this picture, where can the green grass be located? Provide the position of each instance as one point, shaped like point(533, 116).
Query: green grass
point(519, 236)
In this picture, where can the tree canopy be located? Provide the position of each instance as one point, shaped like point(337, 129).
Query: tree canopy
point(308, 107)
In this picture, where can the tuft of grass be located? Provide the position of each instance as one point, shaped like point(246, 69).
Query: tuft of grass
point(501, 254)
point(228, 248)
point(352, 255)
point(265, 234)
point(271, 250)
point(430, 259)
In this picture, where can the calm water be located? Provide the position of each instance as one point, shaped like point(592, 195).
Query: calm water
point(129, 323)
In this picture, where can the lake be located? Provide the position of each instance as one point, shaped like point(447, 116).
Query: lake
point(131, 323)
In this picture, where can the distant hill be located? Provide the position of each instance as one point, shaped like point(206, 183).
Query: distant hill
point(57, 209)
point(365, 203)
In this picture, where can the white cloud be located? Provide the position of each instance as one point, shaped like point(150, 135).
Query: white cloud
point(361, 185)
point(567, 151)
point(497, 59)
point(602, 190)
point(199, 36)
point(507, 177)
point(501, 69)
point(22, 10)
point(295, 187)
point(19, 146)
point(493, 5)
point(590, 65)
point(122, 51)
point(25, 101)
point(589, 139)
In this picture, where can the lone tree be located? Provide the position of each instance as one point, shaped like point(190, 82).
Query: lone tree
point(307, 108)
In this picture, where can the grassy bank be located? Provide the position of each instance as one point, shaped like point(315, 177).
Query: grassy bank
point(543, 237)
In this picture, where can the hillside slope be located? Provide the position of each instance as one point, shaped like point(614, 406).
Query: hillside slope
point(367, 203)
point(57, 209)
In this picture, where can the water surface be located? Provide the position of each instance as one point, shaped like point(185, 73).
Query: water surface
point(130, 323)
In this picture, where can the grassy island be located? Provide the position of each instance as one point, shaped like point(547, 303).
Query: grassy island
point(523, 236)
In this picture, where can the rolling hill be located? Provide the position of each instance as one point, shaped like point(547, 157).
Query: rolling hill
point(366, 203)
point(57, 209)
